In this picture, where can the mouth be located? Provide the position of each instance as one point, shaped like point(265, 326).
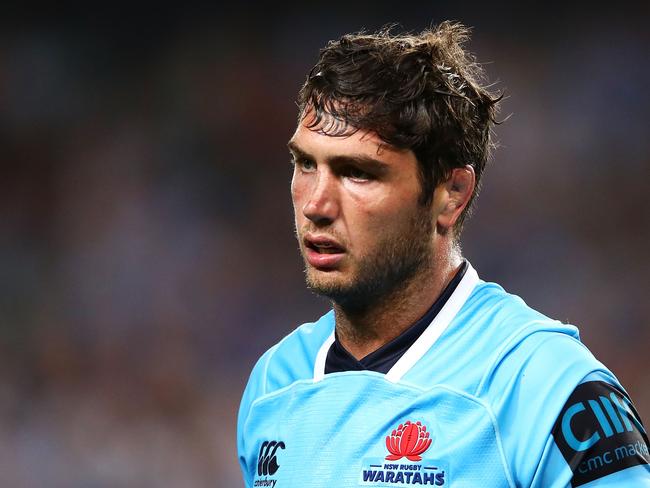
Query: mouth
point(323, 246)
point(322, 252)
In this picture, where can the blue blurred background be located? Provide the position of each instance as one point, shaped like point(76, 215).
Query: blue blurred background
point(146, 248)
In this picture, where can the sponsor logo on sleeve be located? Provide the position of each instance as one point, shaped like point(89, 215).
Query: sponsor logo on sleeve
point(599, 432)
point(404, 464)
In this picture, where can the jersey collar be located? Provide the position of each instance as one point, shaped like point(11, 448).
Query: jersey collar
point(398, 356)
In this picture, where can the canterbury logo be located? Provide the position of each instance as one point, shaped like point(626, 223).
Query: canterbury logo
point(267, 463)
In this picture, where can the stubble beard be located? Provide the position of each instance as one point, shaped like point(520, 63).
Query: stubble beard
point(396, 260)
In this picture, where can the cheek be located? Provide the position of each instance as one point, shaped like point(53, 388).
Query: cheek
point(296, 193)
point(380, 208)
point(369, 225)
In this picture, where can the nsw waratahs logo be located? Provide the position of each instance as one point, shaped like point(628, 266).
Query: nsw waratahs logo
point(404, 464)
point(409, 440)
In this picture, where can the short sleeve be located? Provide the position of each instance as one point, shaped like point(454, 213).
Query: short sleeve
point(558, 409)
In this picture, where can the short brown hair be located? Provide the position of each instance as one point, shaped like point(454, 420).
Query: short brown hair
point(421, 92)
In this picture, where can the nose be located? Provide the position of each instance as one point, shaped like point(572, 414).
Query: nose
point(322, 206)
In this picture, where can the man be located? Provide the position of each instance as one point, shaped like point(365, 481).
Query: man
point(422, 374)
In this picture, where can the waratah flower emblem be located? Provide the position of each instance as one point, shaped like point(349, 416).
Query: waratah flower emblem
point(410, 440)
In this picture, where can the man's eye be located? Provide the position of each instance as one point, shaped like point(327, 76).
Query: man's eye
point(304, 164)
point(358, 174)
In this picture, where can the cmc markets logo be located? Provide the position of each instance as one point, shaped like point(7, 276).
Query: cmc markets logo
point(606, 412)
point(408, 440)
point(267, 461)
point(599, 432)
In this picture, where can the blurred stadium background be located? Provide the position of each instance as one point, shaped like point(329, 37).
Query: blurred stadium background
point(146, 247)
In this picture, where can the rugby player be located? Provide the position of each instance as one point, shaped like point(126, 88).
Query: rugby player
point(422, 373)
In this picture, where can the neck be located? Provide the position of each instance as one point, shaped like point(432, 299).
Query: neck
point(364, 331)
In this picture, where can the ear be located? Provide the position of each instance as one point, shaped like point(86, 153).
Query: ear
point(455, 194)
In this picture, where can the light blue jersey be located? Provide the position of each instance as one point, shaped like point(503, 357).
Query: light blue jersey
point(491, 394)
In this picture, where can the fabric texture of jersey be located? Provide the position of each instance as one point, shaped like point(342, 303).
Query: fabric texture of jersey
point(473, 402)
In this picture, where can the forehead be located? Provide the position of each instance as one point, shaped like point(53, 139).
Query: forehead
point(316, 141)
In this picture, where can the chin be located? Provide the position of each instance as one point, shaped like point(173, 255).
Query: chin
point(328, 283)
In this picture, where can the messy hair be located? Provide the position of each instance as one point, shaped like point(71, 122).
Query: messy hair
point(421, 92)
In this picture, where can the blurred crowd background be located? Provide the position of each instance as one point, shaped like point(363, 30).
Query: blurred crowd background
point(146, 249)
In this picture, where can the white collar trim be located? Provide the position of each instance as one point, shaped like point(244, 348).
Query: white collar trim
point(437, 326)
point(321, 357)
point(428, 338)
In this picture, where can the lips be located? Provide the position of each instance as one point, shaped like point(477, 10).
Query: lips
point(323, 245)
point(323, 252)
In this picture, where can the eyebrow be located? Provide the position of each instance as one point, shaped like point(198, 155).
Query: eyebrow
point(357, 159)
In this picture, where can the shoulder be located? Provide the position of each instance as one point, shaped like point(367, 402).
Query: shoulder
point(518, 339)
point(552, 398)
point(531, 357)
point(508, 316)
point(496, 336)
point(291, 359)
point(491, 339)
